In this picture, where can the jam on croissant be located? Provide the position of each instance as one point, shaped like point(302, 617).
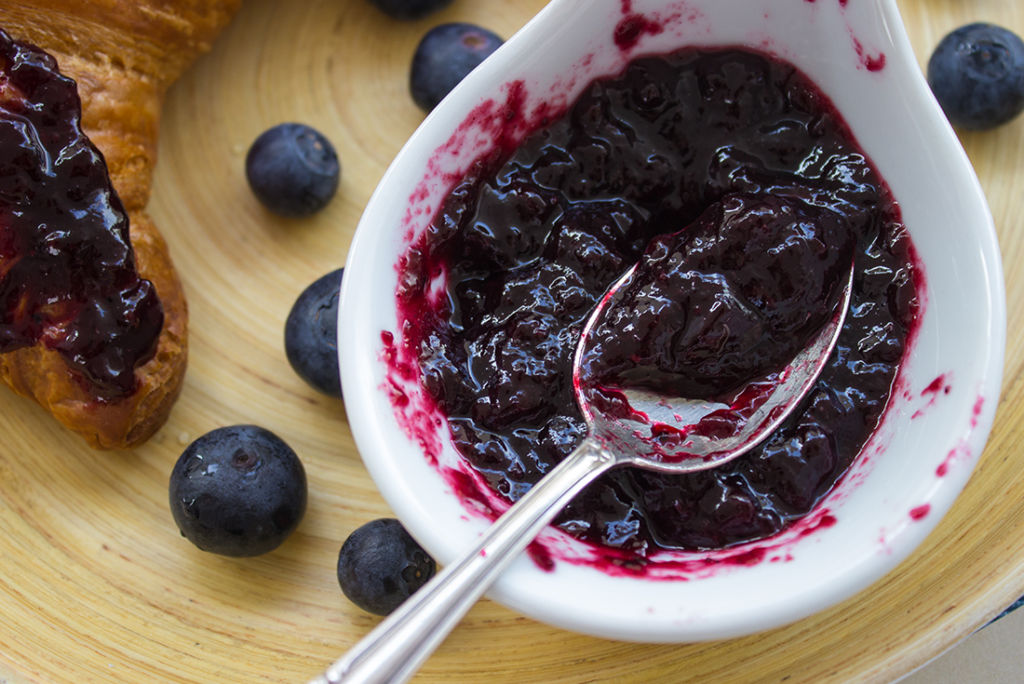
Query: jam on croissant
point(93, 319)
point(67, 268)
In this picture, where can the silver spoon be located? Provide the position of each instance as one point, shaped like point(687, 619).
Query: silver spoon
point(397, 647)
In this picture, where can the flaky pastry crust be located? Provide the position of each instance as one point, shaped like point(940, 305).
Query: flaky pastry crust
point(123, 56)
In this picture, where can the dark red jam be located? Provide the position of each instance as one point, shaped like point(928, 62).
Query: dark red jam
point(67, 269)
point(528, 243)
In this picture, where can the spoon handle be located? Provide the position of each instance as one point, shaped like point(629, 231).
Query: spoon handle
point(396, 648)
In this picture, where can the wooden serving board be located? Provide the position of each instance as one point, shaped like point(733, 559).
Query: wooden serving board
point(97, 585)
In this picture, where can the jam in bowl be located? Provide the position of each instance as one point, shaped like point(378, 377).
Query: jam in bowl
point(548, 173)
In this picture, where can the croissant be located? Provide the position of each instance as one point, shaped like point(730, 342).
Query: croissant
point(92, 327)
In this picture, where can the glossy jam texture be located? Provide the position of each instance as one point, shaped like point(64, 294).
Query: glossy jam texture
point(527, 244)
point(717, 305)
point(67, 269)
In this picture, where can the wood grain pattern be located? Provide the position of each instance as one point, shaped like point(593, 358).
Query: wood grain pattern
point(97, 585)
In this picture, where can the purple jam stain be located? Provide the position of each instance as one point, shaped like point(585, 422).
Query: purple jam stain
point(937, 385)
point(540, 556)
point(920, 512)
point(962, 451)
point(940, 385)
point(943, 467)
point(631, 28)
point(529, 238)
point(823, 521)
point(467, 490)
point(979, 404)
point(869, 62)
point(418, 416)
point(67, 268)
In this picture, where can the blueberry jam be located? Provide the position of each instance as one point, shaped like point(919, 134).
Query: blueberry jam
point(67, 269)
point(529, 241)
point(715, 306)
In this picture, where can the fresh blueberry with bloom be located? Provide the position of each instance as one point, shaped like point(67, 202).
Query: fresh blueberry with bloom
point(293, 169)
point(238, 491)
point(444, 56)
point(311, 334)
point(380, 565)
point(977, 75)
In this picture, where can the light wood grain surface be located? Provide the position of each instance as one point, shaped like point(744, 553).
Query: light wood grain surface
point(97, 585)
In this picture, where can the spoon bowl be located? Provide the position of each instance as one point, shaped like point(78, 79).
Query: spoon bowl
point(668, 434)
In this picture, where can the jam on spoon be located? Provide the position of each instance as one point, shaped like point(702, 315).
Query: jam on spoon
point(736, 294)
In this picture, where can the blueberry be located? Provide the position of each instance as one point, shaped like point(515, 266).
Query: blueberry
point(293, 169)
point(311, 334)
point(238, 491)
point(380, 565)
point(443, 58)
point(977, 75)
point(409, 9)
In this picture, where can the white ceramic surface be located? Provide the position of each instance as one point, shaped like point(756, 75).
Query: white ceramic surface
point(893, 496)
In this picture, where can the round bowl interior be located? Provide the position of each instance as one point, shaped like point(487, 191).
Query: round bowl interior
point(909, 473)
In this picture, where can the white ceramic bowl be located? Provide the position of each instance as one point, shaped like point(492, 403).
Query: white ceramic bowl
point(910, 472)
